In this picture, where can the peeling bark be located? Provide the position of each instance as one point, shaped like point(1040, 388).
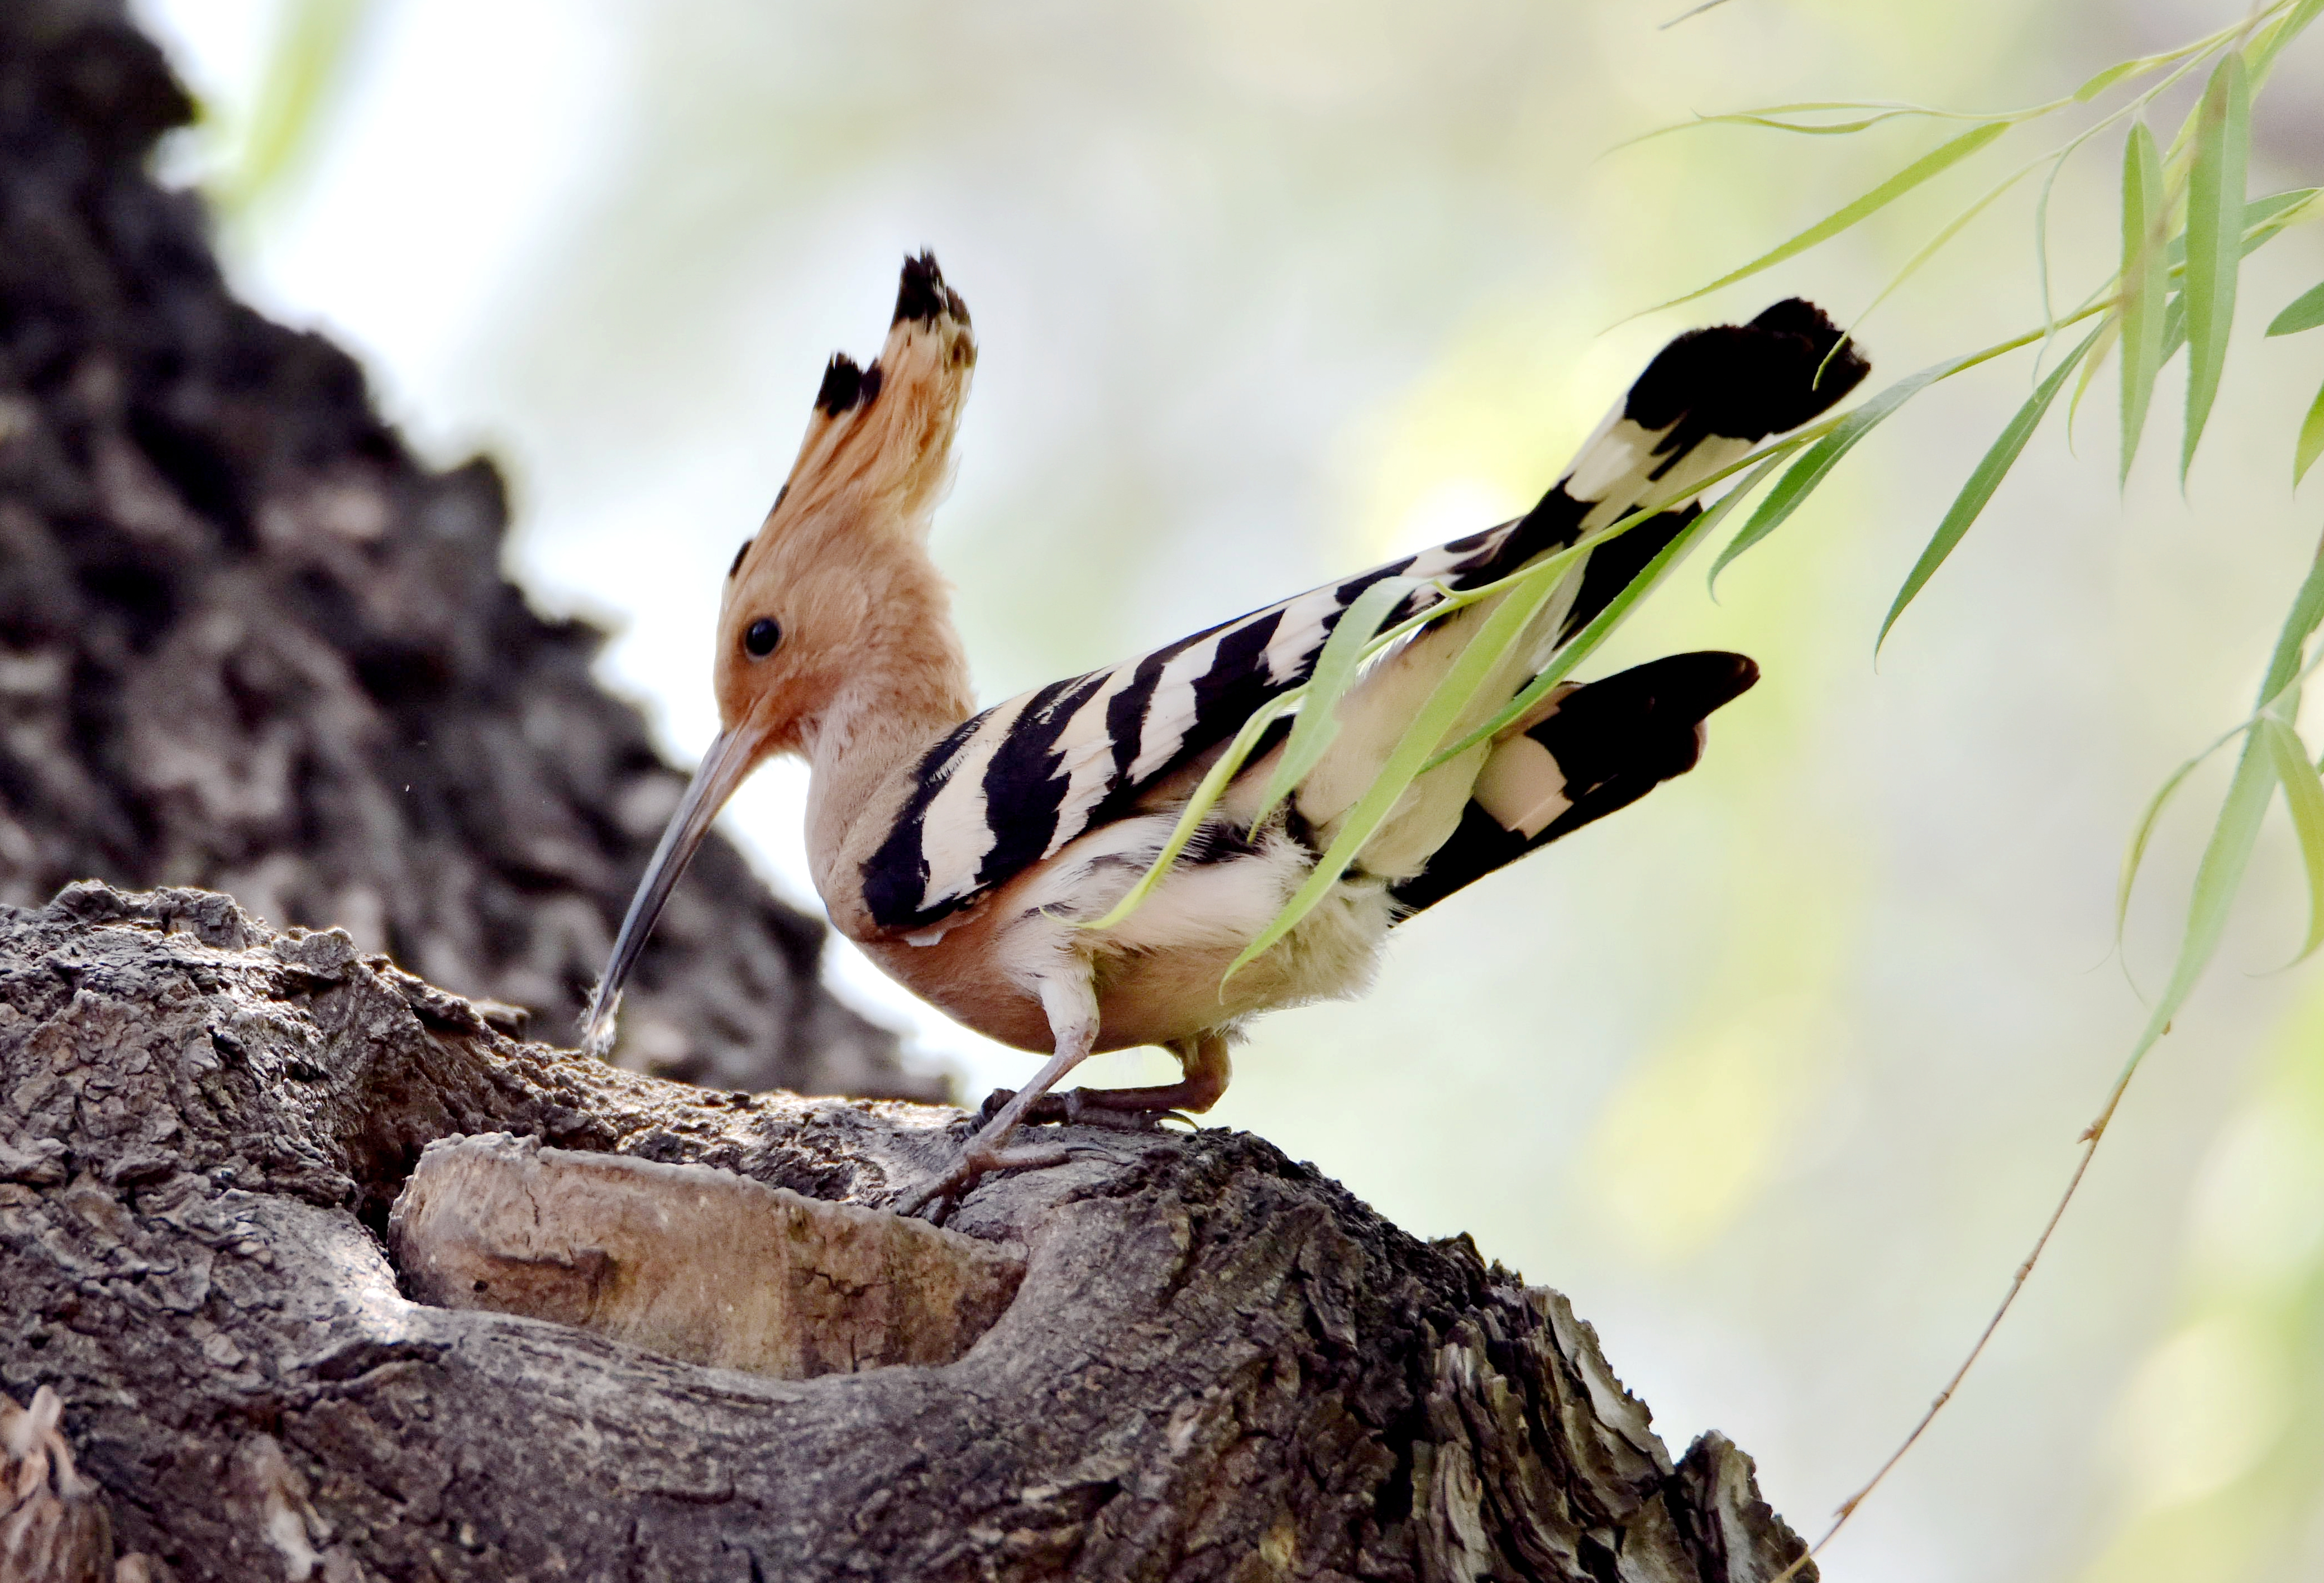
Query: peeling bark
point(1218, 1365)
point(691, 1261)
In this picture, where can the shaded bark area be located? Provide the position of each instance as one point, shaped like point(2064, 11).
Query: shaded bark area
point(1218, 1365)
point(248, 642)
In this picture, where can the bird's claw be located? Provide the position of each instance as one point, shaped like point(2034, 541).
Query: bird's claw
point(1077, 1107)
point(976, 1162)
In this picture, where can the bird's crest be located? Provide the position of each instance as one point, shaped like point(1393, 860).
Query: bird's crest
point(878, 451)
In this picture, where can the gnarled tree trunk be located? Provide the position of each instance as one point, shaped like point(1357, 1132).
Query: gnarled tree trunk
point(252, 1325)
point(1216, 1364)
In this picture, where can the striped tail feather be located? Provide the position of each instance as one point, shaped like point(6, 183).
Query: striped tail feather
point(1601, 747)
point(1701, 404)
point(1706, 399)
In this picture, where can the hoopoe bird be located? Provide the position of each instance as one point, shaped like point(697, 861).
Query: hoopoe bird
point(968, 853)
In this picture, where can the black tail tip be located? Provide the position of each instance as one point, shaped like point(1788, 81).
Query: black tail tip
point(1835, 366)
point(922, 295)
point(1702, 682)
point(1678, 689)
point(1746, 381)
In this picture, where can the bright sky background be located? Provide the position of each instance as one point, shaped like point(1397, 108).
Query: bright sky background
point(1776, 1073)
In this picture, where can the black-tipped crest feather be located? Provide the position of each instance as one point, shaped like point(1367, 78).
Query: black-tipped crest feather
point(921, 295)
point(843, 386)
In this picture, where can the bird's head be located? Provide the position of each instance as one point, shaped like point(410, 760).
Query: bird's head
point(834, 586)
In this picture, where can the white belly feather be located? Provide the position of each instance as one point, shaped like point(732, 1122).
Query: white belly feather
point(1203, 912)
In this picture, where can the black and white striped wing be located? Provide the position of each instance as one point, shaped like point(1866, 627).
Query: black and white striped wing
point(1013, 785)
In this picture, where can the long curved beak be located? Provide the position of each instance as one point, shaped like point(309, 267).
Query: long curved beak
point(732, 755)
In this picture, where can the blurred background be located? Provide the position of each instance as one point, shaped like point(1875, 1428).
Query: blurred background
point(1777, 1074)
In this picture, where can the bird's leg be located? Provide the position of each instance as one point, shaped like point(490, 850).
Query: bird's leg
point(1203, 1070)
point(1071, 1005)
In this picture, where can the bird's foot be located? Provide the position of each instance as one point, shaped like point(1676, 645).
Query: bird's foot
point(1084, 1108)
point(977, 1161)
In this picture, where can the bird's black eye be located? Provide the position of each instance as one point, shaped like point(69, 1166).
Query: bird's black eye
point(759, 640)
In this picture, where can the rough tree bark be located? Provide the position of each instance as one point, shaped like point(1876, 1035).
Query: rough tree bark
point(261, 1315)
point(1217, 1364)
point(248, 642)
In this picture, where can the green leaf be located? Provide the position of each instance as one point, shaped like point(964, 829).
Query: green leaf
point(1318, 720)
point(2303, 795)
point(1978, 491)
point(2214, 213)
point(1818, 459)
point(1198, 806)
point(1454, 693)
point(2311, 444)
point(2217, 878)
point(2284, 671)
point(1579, 647)
point(1809, 128)
point(2305, 313)
point(1771, 116)
point(2136, 852)
point(2265, 49)
point(2300, 625)
point(2109, 331)
point(2108, 79)
point(2265, 219)
point(1942, 158)
point(2144, 217)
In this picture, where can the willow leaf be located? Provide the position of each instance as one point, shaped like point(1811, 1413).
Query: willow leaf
point(1447, 704)
point(1879, 110)
point(1982, 481)
point(2304, 312)
point(2135, 854)
point(2300, 625)
point(2109, 331)
point(2113, 74)
point(2257, 233)
point(2311, 444)
point(2143, 216)
point(2217, 878)
point(2106, 79)
point(2276, 692)
point(2303, 795)
point(1809, 129)
point(2266, 218)
point(1800, 479)
point(1937, 161)
point(2265, 49)
point(2215, 228)
point(1578, 647)
point(1198, 808)
point(1318, 720)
